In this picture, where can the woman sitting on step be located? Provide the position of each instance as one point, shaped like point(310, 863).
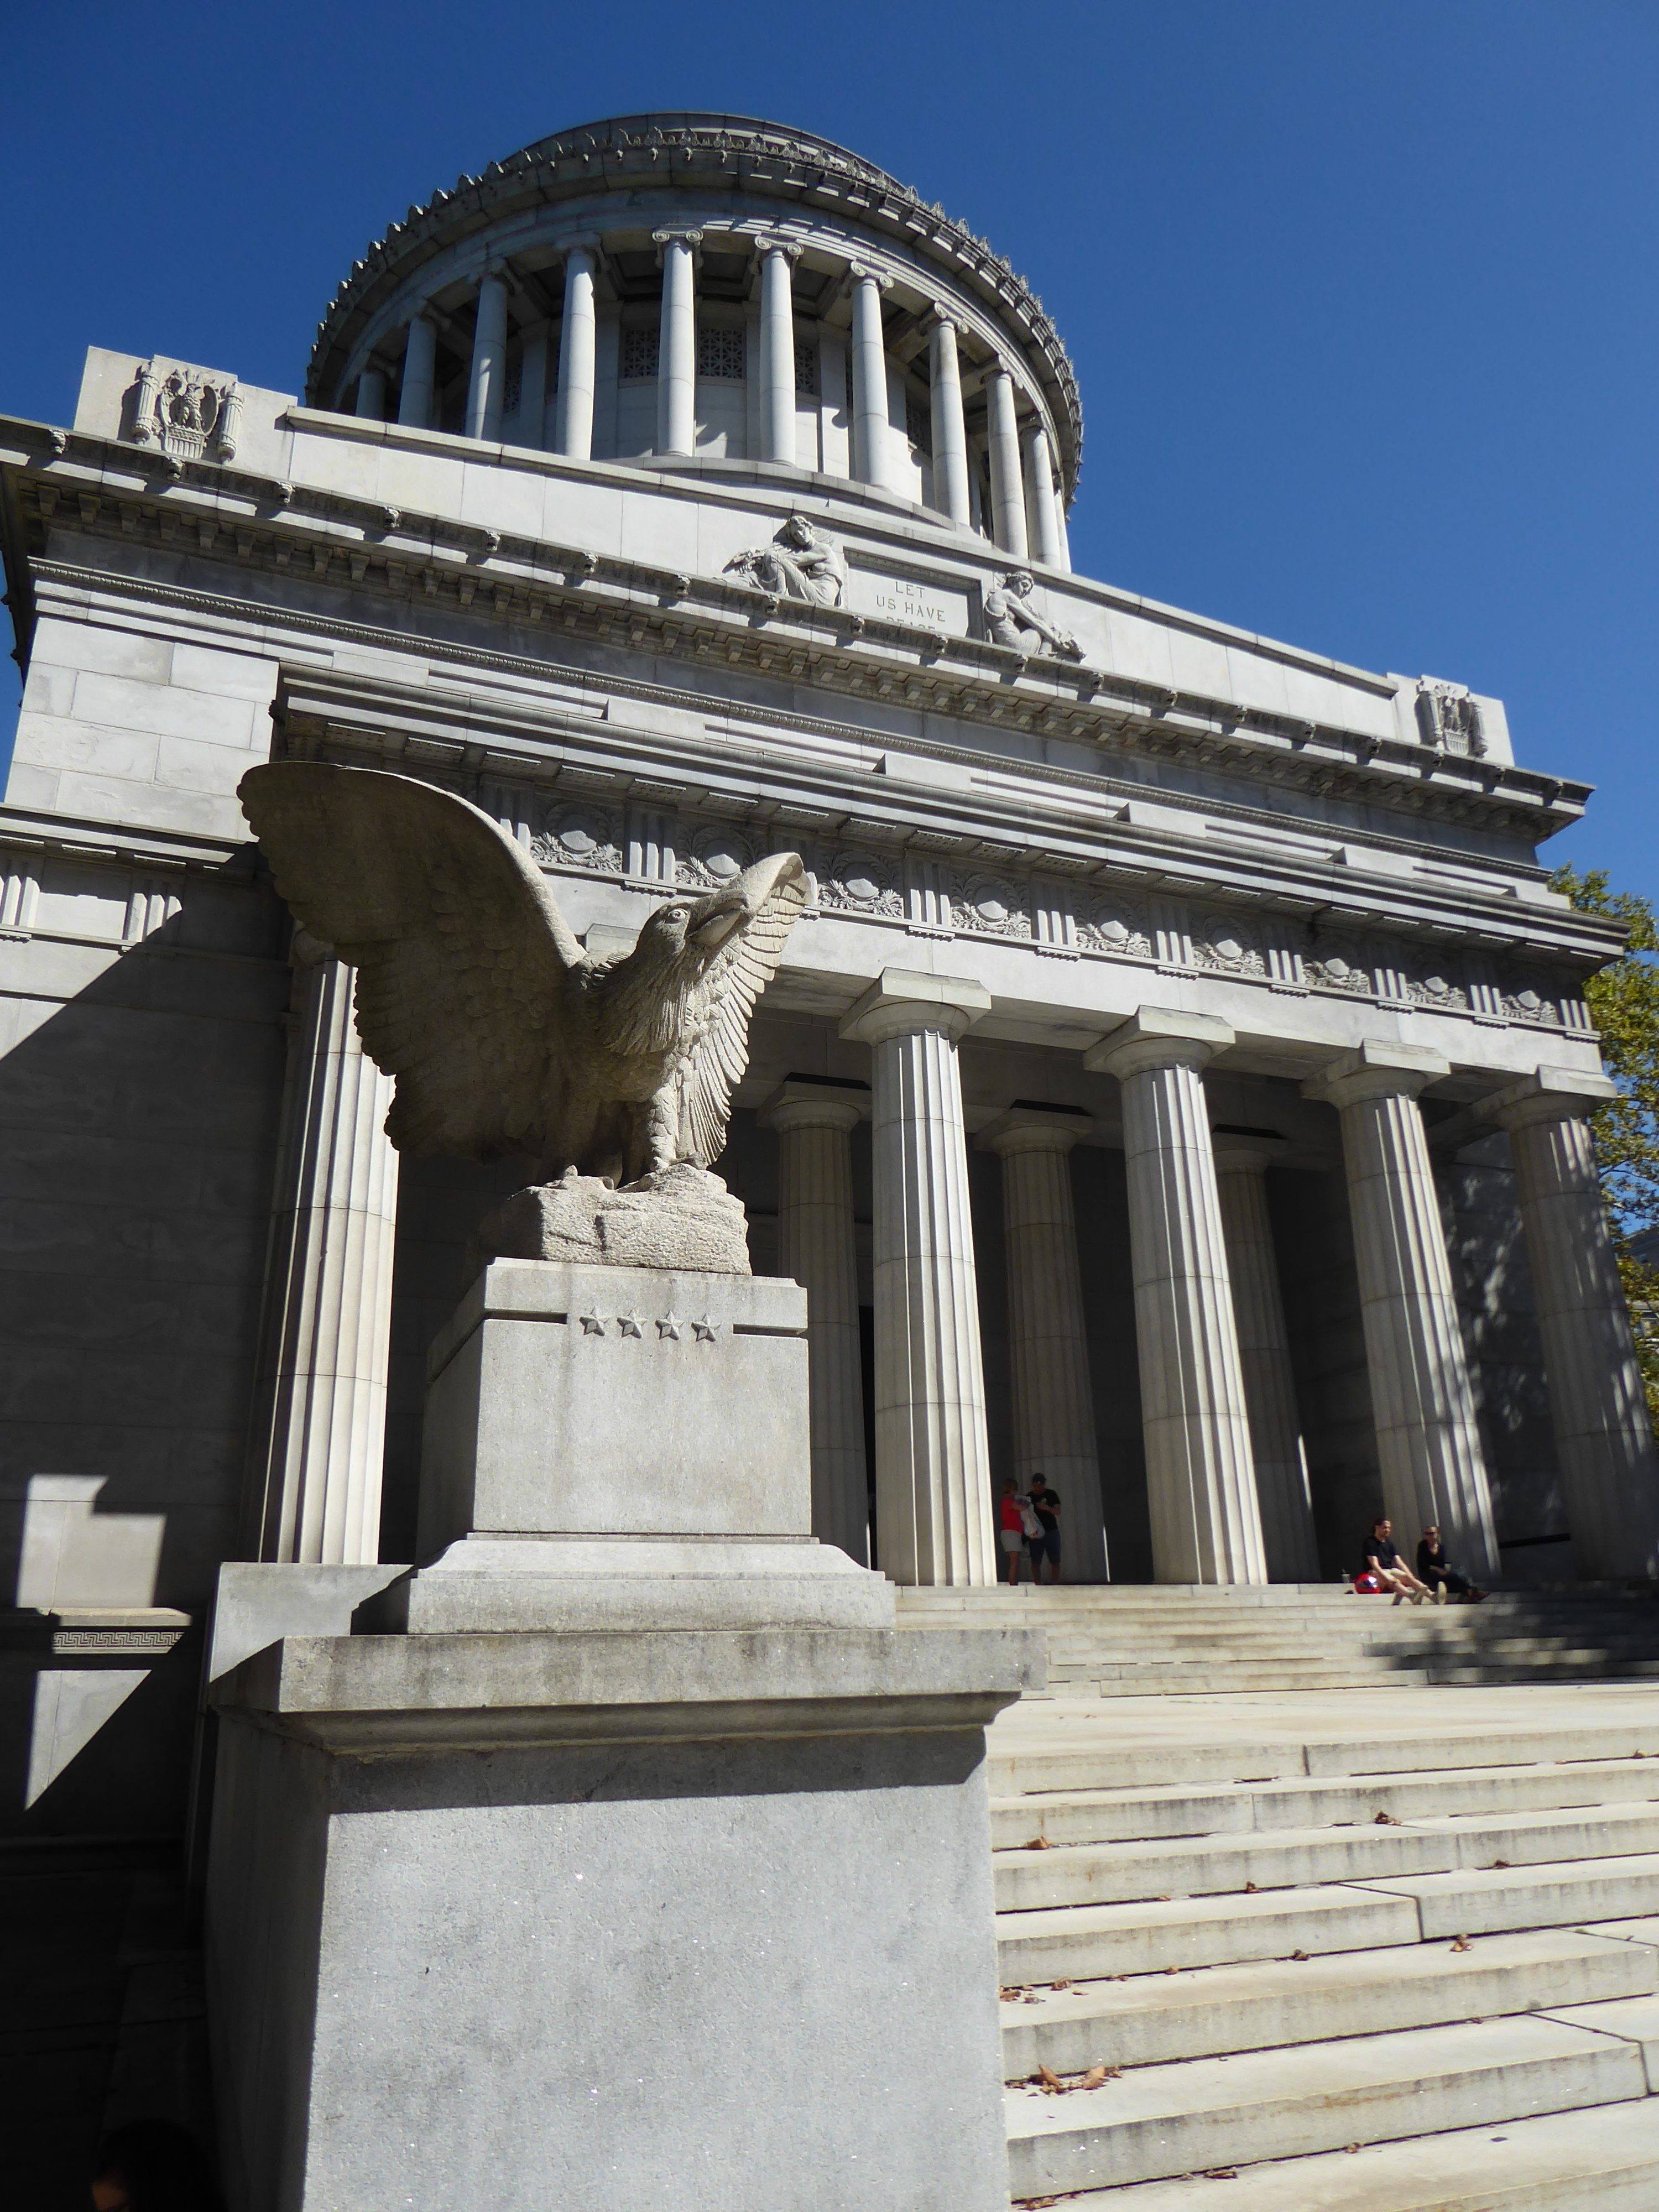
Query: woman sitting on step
point(1390, 1570)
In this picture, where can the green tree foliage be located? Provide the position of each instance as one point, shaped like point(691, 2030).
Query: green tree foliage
point(1624, 1002)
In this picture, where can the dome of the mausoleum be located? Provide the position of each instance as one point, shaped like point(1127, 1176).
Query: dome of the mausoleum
point(713, 293)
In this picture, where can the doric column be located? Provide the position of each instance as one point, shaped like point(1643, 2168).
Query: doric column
point(1201, 1482)
point(1043, 528)
point(1007, 491)
point(1604, 1438)
point(1047, 1343)
point(1427, 1440)
point(950, 432)
point(932, 1460)
point(573, 417)
point(676, 342)
point(371, 395)
point(1264, 1353)
point(414, 401)
point(532, 386)
point(321, 1430)
point(777, 350)
point(870, 429)
point(816, 1245)
point(488, 378)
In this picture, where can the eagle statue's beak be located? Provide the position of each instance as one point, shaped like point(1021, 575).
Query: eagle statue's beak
point(713, 919)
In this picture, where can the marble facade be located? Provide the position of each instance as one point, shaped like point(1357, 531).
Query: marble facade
point(1163, 994)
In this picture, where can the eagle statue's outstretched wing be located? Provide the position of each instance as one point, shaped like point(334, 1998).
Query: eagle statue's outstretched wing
point(461, 954)
point(773, 893)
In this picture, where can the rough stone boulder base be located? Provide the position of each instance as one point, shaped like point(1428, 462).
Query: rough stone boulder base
point(683, 1219)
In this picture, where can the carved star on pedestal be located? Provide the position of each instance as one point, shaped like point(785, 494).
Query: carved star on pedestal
point(592, 1325)
point(670, 1326)
point(628, 1323)
point(705, 1330)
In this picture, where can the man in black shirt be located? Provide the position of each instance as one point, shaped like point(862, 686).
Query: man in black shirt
point(1045, 1504)
point(1437, 1572)
point(1390, 1570)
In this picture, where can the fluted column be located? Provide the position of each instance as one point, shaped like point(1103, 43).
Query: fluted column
point(371, 395)
point(1603, 1438)
point(1043, 529)
point(870, 427)
point(414, 401)
point(950, 429)
point(321, 1430)
point(488, 378)
point(1007, 490)
point(573, 414)
point(1264, 1352)
point(777, 396)
point(932, 1458)
point(677, 342)
point(1200, 1481)
point(817, 1246)
point(1048, 1343)
point(1428, 1442)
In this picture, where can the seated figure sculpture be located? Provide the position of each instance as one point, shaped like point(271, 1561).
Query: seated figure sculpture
point(505, 1036)
point(802, 562)
point(1012, 618)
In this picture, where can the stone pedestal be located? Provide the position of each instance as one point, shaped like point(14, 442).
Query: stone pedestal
point(603, 1921)
point(615, 1877)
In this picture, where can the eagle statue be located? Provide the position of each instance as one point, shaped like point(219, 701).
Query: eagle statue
point(504, 1035)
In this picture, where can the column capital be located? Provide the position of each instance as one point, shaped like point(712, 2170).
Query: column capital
point(662, 239)
point(587, 243)
point(860, 272)
point(1035, 1129)
point(769, 242)
point(903, 999)
point(1240, 1155)
point(1548, 1094)
point(1376, 1071)
point(1158, 1037)
point(800, 1102)
point(941, 319)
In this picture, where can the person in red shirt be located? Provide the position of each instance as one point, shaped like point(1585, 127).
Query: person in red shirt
point(1011, 1529)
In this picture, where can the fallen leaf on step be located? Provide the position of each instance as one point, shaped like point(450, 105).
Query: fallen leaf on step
point(1096, 2075)
point(1047, 2079)
point(1165, 1898)
point(1300, 1957)
point(1350, 2148)
point(1496, 1863)
point(1030, 2203)
point(1250, 1889)
point(1461, 1943)
point(1172, 1970)
point(1010, 1996)
point(1221, 2173)
point(1039, 1844)
point(1386, 1820)
point(1059, 1985)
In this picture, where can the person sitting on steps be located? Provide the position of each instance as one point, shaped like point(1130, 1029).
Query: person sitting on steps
point(1386, 1564)
point(1437, 1572)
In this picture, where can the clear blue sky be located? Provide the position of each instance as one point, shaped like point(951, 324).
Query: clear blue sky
point(1361, 295)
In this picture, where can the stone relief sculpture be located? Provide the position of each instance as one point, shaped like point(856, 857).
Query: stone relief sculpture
point(1012, 619)
point(802, 562)
point(505, 1036)
point(1447, 716)
point(188, 413)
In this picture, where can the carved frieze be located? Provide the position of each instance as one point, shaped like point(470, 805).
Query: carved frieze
point(580, 836)
point(718, 853)
point(1227, 942)
point(861, 883)
point(989, 906)
point(1108, 923)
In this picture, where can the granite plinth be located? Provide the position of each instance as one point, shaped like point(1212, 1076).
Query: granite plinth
point(696, 1920)
point(610, 1446)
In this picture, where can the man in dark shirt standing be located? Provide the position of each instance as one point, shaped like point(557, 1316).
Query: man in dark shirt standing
point(1390, 1570)
point(1045, 1502)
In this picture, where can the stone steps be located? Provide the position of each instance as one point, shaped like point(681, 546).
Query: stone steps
point(1151, 2020)
point(1274, 1975)
point(1159, 2121)
point(1549, 2164)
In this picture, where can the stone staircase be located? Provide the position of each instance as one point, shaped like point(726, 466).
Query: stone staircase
point(1389, 1948)
point(1126, 1640)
